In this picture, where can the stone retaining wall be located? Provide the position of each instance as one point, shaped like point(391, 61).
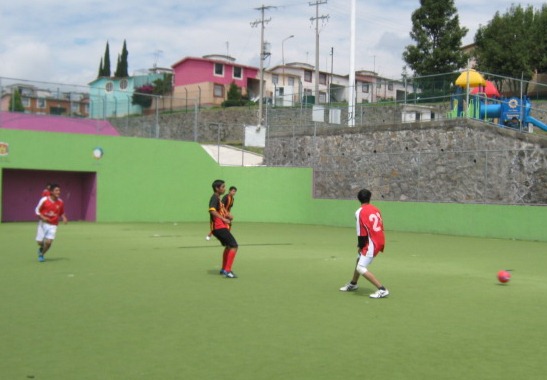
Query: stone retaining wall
point(439, 161)
point(444, 161)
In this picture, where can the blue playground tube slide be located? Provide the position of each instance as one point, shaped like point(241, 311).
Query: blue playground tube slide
point(536, 122)
point(490, 111)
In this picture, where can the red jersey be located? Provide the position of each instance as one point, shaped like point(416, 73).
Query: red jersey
point(52, 210)
point(45, 193)
point(216, 205)
point(369, 224)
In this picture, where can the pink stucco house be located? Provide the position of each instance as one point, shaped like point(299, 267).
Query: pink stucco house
point(205, 81)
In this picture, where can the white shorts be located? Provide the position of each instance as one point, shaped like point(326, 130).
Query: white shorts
point(365, 258)
point(46, 231)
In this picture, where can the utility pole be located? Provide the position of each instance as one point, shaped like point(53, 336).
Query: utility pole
point(331, 72)
point(316, 19)
point(263, 56)
point(351, 89)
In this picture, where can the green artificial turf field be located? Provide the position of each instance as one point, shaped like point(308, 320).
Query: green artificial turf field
point(145, 301)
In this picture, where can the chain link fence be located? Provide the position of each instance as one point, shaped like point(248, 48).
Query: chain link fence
point(408, 148)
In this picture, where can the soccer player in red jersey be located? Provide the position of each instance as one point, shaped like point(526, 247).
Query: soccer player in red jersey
point(49, 210)
point(220, 222)
point(370, 242)
point(47, 190)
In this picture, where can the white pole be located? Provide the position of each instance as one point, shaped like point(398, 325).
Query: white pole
point(351, 88)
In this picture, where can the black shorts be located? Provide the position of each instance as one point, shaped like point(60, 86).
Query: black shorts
point(225, 237)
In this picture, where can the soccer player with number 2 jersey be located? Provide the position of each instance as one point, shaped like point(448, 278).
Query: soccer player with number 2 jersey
point(370, 242)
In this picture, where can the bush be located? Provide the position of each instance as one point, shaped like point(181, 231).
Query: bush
point(143, 96)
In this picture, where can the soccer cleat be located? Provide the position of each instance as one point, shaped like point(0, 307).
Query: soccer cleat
point(41, 258)
point(229, 274)
point(380, 294)
point(222, 271)
point(349, 287)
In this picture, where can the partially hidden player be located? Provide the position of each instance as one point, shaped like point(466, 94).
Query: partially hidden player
point(220, 225)
point(49, 210)
point(370, 242)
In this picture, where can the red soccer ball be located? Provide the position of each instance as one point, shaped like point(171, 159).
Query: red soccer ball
point(504, 276)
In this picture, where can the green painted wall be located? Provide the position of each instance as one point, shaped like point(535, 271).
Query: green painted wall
point(161, 181)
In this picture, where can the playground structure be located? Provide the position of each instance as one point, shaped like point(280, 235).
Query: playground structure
point(512, 112)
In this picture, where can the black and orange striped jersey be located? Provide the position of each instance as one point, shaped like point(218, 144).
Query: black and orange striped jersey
point(216, 205)
point(228, 202)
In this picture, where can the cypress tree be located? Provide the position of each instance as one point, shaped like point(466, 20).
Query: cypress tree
point(121, 66)
point(124, 65)
point(100, 69)
point(106, 61)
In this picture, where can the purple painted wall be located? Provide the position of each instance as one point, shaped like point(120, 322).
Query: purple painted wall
point(48, 123)
point(21, 191)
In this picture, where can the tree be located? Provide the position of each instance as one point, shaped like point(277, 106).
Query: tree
point(438, 35)
point(15, 102)
point(122, 65)
point(234, 97)
point(100, 73)
point(104, 69)
point(513, 45)
point(539, 36)
point(163, 86)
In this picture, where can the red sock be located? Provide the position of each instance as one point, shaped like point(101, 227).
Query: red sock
point(230, 260)
point(225, 258)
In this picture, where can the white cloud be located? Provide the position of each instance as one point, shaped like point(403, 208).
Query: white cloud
point(53, 40)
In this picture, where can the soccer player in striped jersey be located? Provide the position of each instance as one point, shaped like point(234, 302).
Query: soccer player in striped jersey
point(228, 201)
point(220, 223)
point(370, 242)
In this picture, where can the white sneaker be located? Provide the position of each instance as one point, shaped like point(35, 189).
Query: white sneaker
point(380, 294)
point(349, 287)
point(207, 237)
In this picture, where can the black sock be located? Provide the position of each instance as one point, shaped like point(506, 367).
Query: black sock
point(382, 288)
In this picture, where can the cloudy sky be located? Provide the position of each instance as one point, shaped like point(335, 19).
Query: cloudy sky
point(63, 41)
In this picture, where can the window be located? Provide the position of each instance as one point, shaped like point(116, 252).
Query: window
point(322, 78)
point(109, 87)
point(322, 97)
point(41, 103)
point(123, 84)
point(378, 85)
point(74, 107)
point(238, 72)
point(290, 81)
point(307, 76)
point(219, 69)
point(25, 101)
point(390, 86)
point(275, 79)
point(218, 91)
point(365, 87)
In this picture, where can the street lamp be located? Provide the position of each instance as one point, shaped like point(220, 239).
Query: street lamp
point(283, 57)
